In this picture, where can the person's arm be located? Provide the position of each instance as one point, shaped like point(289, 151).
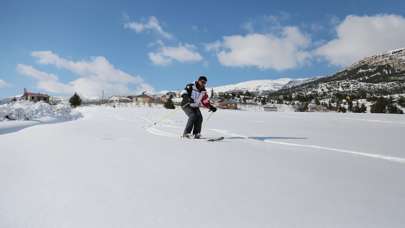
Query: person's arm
point(206, 103)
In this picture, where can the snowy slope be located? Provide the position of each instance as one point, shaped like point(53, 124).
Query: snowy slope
point(395, 58)
point(300, 81)
point(254, 85)
point(257, 85)
point(114, 168)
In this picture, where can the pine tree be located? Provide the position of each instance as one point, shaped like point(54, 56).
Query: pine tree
point(392, 108)
point(263, 101)
point(401, 101)
point(363, 108)
point(350, 105)
point(75, 100)
point(169, 103)
point(330, 107)
point(380, 106)
point(317, 101)
point(356, 108)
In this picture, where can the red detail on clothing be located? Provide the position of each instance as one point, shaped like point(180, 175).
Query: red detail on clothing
point(205, 101)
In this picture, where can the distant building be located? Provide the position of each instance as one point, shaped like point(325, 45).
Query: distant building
point(316, 108)
point(143, 98)
point(167, 96)
point(119, 99)
point(312, 107)
point(270, 108)
point(227, 104)
point(35, 97)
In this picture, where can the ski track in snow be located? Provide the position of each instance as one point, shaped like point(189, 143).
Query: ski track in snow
point(377, 121)
point(377, 156)
point(159, 132)
point(155, 131)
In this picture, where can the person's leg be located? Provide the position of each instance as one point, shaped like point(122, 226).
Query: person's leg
point(198, 122)
point(191, 119)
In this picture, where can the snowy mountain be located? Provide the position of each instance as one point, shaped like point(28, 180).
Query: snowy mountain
point(259, 86)
point(394, 58)
point(378, 75)
point(297, 82)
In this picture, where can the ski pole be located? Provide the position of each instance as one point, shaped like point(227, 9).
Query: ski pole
point(164, 117)
point(167, 115)
point(209, 117)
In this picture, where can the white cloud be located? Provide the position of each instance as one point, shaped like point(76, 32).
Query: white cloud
point(159, 59)
point(3, 84)
point(45, 81)
point(362, 36)
point(183, 53)
point(152, 24)
point(94, 76)
point(248, 26)
point(267, 23)
point(265, 51)
point(214, 46)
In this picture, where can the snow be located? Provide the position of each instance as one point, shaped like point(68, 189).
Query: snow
point(300, 81)
point(263, 85)
point(116, 168)
point(259, 108)
point(254, 86)
point(40, 111)
point(388, 57)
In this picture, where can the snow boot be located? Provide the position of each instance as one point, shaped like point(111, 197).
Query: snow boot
point(187, 136)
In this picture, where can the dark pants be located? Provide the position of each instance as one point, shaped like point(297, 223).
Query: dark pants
point(195, 120)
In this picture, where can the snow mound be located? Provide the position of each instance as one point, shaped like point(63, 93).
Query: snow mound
point(40, 111)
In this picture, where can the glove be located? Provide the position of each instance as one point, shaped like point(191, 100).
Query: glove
point(213, 109)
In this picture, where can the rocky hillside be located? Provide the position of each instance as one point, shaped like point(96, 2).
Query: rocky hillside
point(377, 75)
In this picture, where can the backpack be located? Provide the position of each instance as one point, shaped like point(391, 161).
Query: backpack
point(187, 97)
point(189, 89)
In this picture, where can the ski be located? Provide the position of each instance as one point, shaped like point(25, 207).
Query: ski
point(215, 139)
point(209, 139)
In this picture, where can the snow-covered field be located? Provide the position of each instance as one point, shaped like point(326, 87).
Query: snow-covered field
point(26, 114)
point(114, 168)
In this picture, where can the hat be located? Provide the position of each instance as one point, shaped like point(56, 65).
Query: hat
point(202, 78)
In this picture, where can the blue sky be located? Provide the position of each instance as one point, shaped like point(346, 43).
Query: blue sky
point(123, 47)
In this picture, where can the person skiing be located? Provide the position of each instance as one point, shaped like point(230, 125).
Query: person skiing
point(194, 96)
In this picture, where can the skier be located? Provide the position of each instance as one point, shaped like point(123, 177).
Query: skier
point(194, 96)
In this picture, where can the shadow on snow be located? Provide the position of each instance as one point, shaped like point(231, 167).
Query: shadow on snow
point(264, 138)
